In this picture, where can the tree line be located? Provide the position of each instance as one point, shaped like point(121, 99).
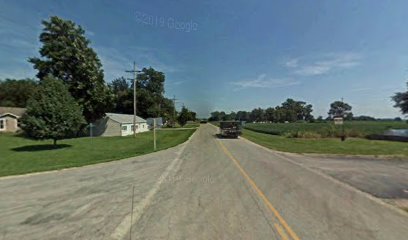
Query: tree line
point(294, 111)
point(289, 111)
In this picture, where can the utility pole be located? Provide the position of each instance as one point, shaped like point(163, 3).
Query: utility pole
point(154, 134)
point(174, 110)
point(134, 71)
point(343, 138)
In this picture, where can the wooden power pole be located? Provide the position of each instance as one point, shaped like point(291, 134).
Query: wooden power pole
point(134, 71)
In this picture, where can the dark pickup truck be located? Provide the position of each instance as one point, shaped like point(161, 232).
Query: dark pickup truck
point(230, 129)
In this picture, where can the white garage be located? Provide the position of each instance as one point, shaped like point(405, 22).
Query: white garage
point(115, 124)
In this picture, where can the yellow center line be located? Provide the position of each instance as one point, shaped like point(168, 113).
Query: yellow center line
point(260, 193)
point(281, 232)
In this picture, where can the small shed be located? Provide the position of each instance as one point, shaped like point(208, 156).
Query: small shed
point(10, 118)
point(116, 124)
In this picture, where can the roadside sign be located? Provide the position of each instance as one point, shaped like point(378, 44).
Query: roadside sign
point(338, 121)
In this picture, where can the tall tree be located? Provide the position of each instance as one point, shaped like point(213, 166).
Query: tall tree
point(186, 115)
point(270, 114)
point(257, 115)
point(242, 116)
point(340, 109)
point(15, 93)
point(66, 54)
point(123, 96)
point(150, 90)
point(52, 113)
point(401, 101)
point(297, 110)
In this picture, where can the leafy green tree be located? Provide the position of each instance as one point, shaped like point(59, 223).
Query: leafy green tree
point(66, 54)
point(270, 114)
point(150, 95)
point(123, 96)
point(184, 116)
point(242, 116)
point(257, 115)
point(297, 110)
point(401, 101)
point(214, 116)
point(167, 109)
point(150, 90)
point(52, 113)
point(307, 112)
point(15, 93)
point(119, 85)
point(340, 109)
point(280, 114)
point(193, 116)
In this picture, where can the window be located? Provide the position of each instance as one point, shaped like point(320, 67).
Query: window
point(133, 127)
point(124, 128)
point(2, 124)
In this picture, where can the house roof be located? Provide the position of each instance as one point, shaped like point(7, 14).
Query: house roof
point(124, 118)
point(18, 112)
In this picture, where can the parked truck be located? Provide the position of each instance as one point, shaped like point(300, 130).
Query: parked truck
point(231, 129)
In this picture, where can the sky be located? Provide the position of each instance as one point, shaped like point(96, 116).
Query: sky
point(234, 55)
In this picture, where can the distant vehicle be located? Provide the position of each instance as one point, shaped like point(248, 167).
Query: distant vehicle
point(203, 121)
point(230, 129)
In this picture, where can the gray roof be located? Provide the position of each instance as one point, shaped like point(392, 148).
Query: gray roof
point(124, 118)
point(12, 110)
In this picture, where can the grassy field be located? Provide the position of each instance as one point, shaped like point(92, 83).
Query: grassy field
point(19, 155)
point(352, 129)
point(352, 146)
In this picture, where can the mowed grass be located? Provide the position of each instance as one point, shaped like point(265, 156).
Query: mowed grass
point(328, 129)
point(191, 125)
point(19, 155)
point(352, 146)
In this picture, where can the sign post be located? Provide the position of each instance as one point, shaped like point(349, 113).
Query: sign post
point(90, 130)
point(340, 121)
point(154, 133)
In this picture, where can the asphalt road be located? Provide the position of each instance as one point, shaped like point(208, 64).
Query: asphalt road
point(207, 188)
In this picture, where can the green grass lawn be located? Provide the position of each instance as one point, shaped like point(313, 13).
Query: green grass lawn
point(352, 128)
point(352, 146)
point(191, 125)
point(188, 125)
point(19, 155)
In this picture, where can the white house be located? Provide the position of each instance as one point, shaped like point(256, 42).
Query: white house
point(115, 124)
point(10, 118)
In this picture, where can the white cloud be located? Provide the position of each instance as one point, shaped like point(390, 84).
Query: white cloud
point(262, 82)
point(323, 64)
point(292, 63)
